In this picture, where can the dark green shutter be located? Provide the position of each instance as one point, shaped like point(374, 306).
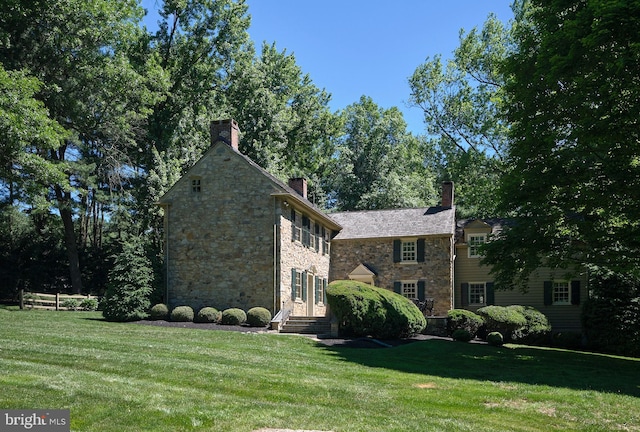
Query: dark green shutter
point(304, 286)
point(324, 291)
point(491, 296)
point(575, 292)
point(548, 293)
point(397, 257)
point(316, 290)
point(420, 250)
point(293, 284)
point(464, 294)
point(421, 290)
point(397, 287)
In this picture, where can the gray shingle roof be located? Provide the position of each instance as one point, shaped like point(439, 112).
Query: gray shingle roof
point(395, 223)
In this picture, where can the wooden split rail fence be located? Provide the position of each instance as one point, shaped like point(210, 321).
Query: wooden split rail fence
point(29, 300)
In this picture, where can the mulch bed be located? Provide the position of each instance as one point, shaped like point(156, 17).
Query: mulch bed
point(356, 342)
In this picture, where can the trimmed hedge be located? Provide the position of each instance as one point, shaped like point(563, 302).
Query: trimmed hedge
point(159, 311)
point(258, 317)
point(537, 329)
point(233, 316)
point(461, 335)
point(495, 339)
point(463, 319)
point(208, 315)
point(502, 319)
point(182, 314)
point(364, 310)
point(522, 324)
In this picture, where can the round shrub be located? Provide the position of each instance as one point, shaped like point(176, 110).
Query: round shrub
point(536, 330)
point(495, 339)
point(463, 319)
point(363, 310)
point(208, 315)
point(502, 319)
point(70, 304)
point(89, 304)
point(159, 311)
point(234, 316)
point(182, 314)
point(258, 317)
point(461, 335)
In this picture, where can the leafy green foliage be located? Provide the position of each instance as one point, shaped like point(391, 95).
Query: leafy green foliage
point(208, 315)
point(495, 339)
point(129, 286)
point(463, 319)
point(611, 317)
point(233, 316)
point(89, 304)
point(461, 335)
point(537, 329)
point(70, 304)
point(258, 317)
point(362, 310)
point(574, 162)
point(182, 314)
point(159, 311)
point(502, 319)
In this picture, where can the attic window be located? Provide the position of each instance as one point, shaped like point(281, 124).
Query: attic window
point(196, 185)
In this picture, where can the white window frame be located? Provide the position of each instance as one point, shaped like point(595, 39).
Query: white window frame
point(561, 288)
point(408, 254)
point(299, 276)
point(482, 298)
point(409, 289)
point(473, 242)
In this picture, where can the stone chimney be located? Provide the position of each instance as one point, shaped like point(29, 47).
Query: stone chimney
point(226, 131)
point(299, 185)
point(447, 194)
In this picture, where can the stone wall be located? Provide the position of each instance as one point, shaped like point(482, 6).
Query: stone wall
point(377, 254)
point(220, 239)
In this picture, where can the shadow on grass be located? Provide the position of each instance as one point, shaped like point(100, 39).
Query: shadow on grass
point(528, 365)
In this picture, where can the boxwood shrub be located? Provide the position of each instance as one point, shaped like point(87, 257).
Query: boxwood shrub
point(502, 319)
point(363, 310)
point(208, 315)
point(463, 319)
point(159, 311)
point(258, 317)
point(234, 316)
point(461, 335)
point(537, 329)
point(182, 314)
point(495, 339)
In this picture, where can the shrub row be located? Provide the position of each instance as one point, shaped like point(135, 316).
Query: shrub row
point(254, 317)
point(515, 323)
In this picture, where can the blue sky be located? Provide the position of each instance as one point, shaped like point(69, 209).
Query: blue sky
point(365, 47)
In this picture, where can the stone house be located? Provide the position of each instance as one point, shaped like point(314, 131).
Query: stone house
point(236, 236)
point(555, 292)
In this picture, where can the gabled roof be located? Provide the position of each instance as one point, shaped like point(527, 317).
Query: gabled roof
point(282, 190)
point(413, 222)
point(492, 225)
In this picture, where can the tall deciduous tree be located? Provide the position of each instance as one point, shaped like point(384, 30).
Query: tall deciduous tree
point(574, 164)
point(378, 164)
point(462, 101)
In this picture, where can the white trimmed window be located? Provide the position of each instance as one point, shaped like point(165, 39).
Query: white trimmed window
point(297, 226)
point(561, 293)
point(298, 282)
point(410, 289)
point(474, 241)
point(477, 293)
point(408, 251)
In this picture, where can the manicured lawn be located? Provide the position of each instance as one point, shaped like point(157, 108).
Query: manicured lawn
point(129, 377)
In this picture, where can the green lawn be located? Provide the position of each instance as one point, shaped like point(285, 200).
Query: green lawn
point(129, 377)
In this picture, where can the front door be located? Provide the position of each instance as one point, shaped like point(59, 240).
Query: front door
point(310, 294)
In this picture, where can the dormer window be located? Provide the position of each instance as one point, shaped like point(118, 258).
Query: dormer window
point(474, 241)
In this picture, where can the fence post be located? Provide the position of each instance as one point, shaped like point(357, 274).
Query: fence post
point(57, 301)
point(21, 298)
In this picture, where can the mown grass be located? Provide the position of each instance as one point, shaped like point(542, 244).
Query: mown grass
point(129, 377)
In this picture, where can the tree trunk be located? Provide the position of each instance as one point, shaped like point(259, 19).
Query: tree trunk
point(70, 239)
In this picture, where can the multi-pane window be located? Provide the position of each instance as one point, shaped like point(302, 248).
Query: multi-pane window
point(410, 290)
point(477, 293)
point(298, 284)
point(326, 234)
point(474, 242)
point(306, 231)
point(561, 293)
point(196, 185)
point(297, 226)
point(409, 251)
